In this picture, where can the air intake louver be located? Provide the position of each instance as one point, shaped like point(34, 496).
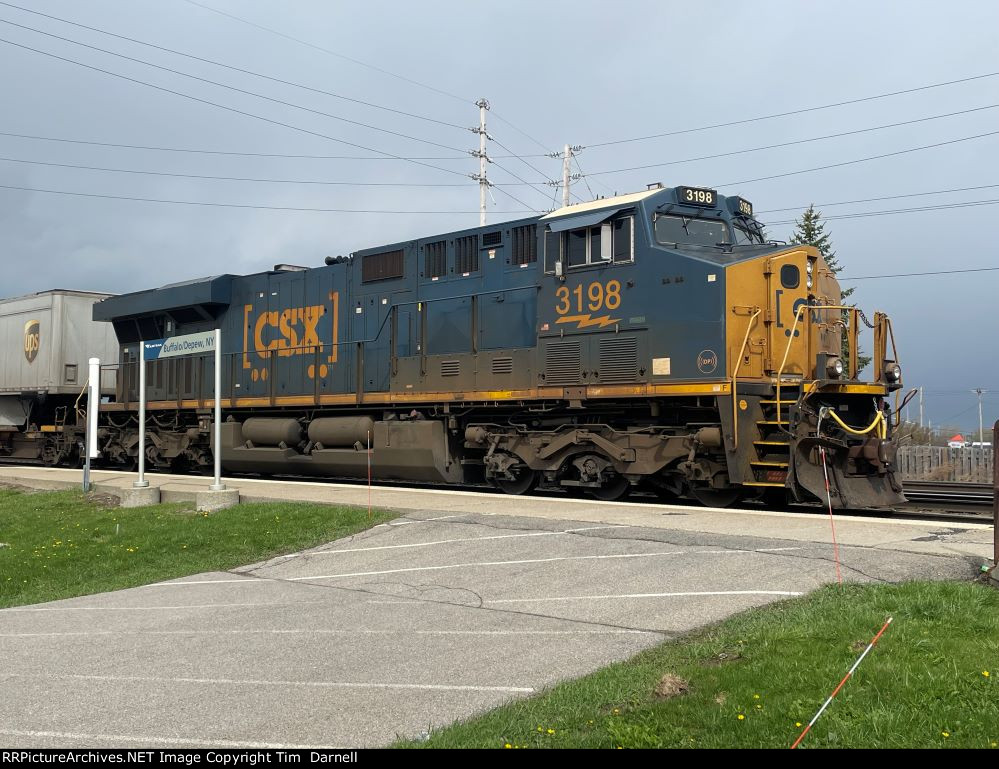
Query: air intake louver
point(618, 360)
point(562, 363)
point(502, 365)
point(450, 367)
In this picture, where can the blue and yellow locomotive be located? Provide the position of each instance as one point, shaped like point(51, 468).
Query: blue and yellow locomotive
point(655, 339)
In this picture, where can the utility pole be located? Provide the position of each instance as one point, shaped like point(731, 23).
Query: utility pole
point(981, 432)
point(568, 152)
point(566, 174)
point(481, 177)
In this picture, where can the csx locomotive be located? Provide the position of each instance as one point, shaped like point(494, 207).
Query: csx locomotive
point(654, 340)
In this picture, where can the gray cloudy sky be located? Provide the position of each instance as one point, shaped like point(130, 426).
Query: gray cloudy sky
point(580, 72)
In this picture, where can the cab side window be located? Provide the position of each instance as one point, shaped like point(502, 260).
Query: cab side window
point(610, 242)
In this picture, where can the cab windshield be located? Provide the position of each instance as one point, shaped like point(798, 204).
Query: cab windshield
point(678, 229)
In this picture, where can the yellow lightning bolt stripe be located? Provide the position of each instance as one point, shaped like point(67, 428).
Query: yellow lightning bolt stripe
point(585, 321)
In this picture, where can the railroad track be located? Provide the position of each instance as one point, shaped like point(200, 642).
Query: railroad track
point(961, 501)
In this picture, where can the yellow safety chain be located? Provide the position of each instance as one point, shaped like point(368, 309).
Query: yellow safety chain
point(879, 422)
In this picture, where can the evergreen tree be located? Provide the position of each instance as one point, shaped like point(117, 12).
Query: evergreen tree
point(810, 231)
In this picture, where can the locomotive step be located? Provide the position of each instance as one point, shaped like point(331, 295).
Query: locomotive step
point(785, 444)
point(772, 422)
point(768, 464)
point(768, 484)
point(776, 402)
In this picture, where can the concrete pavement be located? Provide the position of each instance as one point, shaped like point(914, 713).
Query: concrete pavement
point(465, 602)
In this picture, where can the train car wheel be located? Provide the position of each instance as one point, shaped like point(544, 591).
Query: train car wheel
point(525, 482)
point(617, 489)
point(717, 497)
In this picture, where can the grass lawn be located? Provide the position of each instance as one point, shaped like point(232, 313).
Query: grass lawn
point(756, 678)
point(62, 544)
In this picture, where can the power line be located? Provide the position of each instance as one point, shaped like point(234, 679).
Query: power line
point(236, 69)
point(861, 160)
point(885, 197)
point(522, 133)
point(235, 205)
point(889, 212)
point(228, 108)
point(233, 88)
point(197, 151)
point(792, 143)
point(921, 274)
point(331, 53)
point(797, 111)
point(538, 171)
point(268, 180)
point(583, 177)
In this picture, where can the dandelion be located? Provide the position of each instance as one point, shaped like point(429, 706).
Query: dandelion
point(741, 717)
point(945, 734)
point(540, 729)
point(759, 707)
point(756, 696)
point(616, 712)
point(797, 723)
point(508, 745)
point(551, 731)
point(985, 673)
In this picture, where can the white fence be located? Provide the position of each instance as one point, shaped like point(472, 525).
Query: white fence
point(939, 463)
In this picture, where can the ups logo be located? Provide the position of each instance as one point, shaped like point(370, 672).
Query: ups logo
point(32, 339)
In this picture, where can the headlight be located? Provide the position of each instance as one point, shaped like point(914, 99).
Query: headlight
point(809, 267)
point(808, 282)
point(834, 368)
point(893, 372)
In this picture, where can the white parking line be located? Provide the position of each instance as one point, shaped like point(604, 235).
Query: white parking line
point(306, 631)
point(148, 739)
point(644, 595)
point(164, 608)
point(472, 564)
point(447, 542)
point(285, 684)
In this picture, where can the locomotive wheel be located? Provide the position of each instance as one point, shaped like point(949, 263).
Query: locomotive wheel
point(617, 489)
point(526, 481)
point(717, 497)
point(50, 453)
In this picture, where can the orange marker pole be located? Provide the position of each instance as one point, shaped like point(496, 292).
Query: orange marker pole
point(832, 522)
point(849, 673)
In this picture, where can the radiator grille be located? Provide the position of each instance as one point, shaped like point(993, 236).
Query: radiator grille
point(562, 363)
point(502, 365)
point(618, 359)
point(450, 367)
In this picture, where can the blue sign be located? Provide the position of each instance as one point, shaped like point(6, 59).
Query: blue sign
point(175, 346)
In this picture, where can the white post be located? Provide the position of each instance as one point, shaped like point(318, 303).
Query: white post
point(566, 175)
point(142, 483)
point(218, 485)
point(482, 176)
point(981, 430)
point(920, 406)
point(93, 405)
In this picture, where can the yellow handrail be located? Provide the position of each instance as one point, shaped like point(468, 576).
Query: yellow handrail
point(790, 340)
point(735, 373)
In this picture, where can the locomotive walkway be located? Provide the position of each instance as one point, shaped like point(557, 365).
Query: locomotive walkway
point(467, 600)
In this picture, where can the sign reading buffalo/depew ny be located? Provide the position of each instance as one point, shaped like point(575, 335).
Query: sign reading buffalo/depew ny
point(175, 346)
